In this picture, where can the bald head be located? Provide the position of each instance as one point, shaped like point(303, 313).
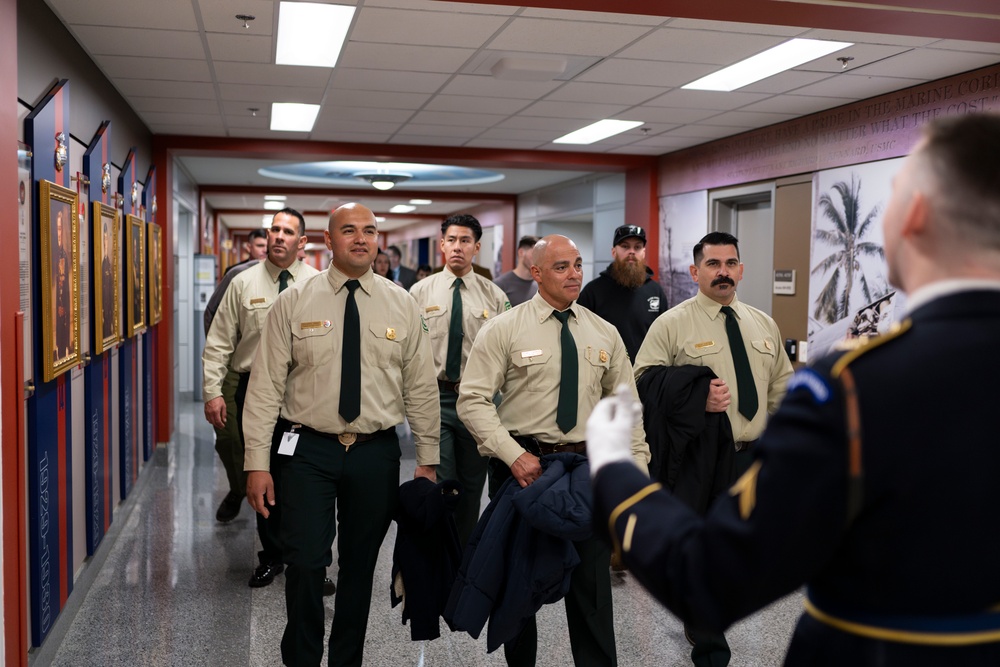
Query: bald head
point(558, 269)
point(352, 236)
point(547, 245)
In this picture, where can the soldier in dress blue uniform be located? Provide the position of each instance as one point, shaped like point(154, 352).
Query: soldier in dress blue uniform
point(875, 482)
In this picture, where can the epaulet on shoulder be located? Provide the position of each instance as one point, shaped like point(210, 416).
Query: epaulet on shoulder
point(855, 347)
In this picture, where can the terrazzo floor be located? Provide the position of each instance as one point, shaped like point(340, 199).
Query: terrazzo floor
point(173, 591)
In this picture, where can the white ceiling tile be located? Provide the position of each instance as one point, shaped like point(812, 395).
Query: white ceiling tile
point(257, 93)
point(534, 123)
point(958, 45)
point(472, 104)
point(866, 37)
point(928, 64)
point(703, 132)
point(245, 120)
point(221, 16)
point(164, 14)
point(705, 99)
point(487, 86)
point(800, 105)
point(174, 104)
point(481, 142)
point(271, 75)
point(454, 131)
point(749, 118)
point(353, 137)
point(742, 28)
point(453, 118)
point(154, 68)
point(330, 123)
point(371, 55)
point(377, 114)
point(786, 81)
point(669, 115)
point(417, 140)
point(855, 86)
point(597, 17)
point(378, 98)
point(537, 136)
point(604, 92)
point(669, 141)
point(402, 26)
point(573, 110)
point(240, 47)
point(242, 107)
point(694, 46)
point(570, 37)
point(862, 55)
point(450, 7)
point(388, 81)
point(105, 40)
point(198, 119)
point(188, 130)
point(645, 72)
point(148, 88)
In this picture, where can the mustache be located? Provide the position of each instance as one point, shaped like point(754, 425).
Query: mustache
point(723, 280)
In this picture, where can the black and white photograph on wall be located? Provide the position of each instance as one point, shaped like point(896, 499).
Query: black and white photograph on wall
point(60, 241)
point(135, 275)
point(106, 272)
point(849, 291)
point(683, 221)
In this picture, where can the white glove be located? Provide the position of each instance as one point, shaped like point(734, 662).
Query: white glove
point(609, 429)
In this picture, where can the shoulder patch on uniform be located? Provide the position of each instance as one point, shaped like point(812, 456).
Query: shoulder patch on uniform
point(506, 305)
point(869, 344)
point(812, 382)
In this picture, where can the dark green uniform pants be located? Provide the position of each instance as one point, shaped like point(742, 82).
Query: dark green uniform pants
point(359, 486)
point(267, 529)
point(228, 444)
point(460, 461)
point(589, 610)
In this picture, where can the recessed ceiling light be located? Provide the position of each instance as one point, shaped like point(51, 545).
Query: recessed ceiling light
point(266, 221)
point(595, 132)
point(293, 117)
point(768, 63)
point(311, 34)
point(274, 205)
point(402, 208)
point(421, 202)
point(275, 197)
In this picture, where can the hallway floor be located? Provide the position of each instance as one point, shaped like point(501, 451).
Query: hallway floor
point(173, 591)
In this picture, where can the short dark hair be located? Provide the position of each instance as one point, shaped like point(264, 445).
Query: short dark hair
point(714, 238)
point(961, 153)
point(295, 214)
point(393, 250)
point(257, 234)
point(464, 220)
point(425, 267)
point(527, 242)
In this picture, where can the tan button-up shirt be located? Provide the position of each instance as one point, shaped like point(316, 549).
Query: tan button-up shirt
point(520, 355)
point(481, 301)
point(296, 372)
point(694, 333)
point(232, 339)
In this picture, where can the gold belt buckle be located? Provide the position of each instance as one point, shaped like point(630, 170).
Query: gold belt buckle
point(347, 439)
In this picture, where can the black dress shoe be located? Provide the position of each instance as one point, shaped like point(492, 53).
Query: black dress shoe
point(329, 588)
point(265, 574)
point(229, 508)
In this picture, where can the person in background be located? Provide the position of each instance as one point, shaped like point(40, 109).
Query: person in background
point(403, 275)
point(382, 268)
point(423, 271)
point(517, 283)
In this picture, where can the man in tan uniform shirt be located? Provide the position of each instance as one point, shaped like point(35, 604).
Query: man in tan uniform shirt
point(694, 333)
point(520, 355)
point(232, 342)
point(452, 334)
point(335, 469)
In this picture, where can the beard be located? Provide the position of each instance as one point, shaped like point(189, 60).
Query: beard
point(631, 275)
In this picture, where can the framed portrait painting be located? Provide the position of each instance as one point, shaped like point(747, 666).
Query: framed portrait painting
point(60, 244)
point(107, 327)
point(155, 274)
point(135, 275)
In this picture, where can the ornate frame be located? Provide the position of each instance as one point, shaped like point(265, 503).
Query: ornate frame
point(154, 244)
point(60, 269)
point(135, 275)
point(106, 216)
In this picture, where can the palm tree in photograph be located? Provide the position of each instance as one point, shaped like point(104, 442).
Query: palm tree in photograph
point(847, 240)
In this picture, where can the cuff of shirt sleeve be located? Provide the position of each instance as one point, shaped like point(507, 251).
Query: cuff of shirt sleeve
point(428, 455)
point(256, 460)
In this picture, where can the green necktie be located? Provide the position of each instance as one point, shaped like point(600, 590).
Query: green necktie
point(453, 365)
point(350, 359)
point(745, 386)
point(569, 378)
point(283, 280)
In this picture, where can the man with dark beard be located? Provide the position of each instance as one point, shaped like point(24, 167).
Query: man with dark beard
point(625, 294)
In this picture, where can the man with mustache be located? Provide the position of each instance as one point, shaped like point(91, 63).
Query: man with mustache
point(742, 347)
point(625, 294)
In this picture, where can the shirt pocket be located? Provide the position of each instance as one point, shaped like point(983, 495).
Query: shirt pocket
point(438, 321)
point(385, 345)
point(762, 358)
point(314, 346)
point(256, 309)
point(596, 367)
point(530, 367)
point(700, 354)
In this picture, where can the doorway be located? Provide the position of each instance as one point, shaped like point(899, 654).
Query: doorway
point(747, 214)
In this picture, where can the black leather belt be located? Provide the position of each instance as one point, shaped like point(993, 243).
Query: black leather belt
point(747, 444)
point(346, 439)
point(447, 385)
point(539, 448)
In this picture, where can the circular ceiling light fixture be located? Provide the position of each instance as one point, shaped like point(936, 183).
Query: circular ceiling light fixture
point(382, 180)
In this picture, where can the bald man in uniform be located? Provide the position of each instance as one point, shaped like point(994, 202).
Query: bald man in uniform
point(875, 482)
point(546, 400)
point(342, 361)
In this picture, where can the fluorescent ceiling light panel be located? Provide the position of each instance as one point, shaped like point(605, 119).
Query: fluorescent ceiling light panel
point(311, 34)
point(778, 59)
point(274, 205)
point(421, 202)
point(293, 117)
point(379, 218)
point(266, 221)
point(402, 208)
point(595, 132)
point(275, 197)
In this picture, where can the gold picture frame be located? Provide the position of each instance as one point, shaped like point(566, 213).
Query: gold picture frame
point(135, 275)
point(154, 263)
point(60, 250)
point(107, 278)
